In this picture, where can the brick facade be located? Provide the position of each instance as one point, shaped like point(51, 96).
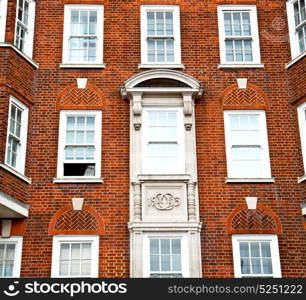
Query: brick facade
point(49, 88)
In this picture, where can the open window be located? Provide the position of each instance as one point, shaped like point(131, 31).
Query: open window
point(79, 154)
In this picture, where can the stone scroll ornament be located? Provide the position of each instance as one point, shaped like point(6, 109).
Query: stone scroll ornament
point(164, 201)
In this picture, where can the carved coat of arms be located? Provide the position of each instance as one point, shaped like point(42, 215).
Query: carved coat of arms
point(164, 201)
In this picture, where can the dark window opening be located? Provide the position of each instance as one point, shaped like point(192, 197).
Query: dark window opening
point(79, 170)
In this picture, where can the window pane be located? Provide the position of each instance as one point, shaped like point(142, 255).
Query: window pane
point(154, 263)
point(255, 249)
point(245, 266)
point(10, 251)
point(75, 251)
point(86, 251)
point(165, 263)
point(176, 263)
point(80, 137)
point(228, 24)
point(265, 249)
point(256, 267)
point(244, 249)
point(154, 246)
point(176, 246)
point(75, 268)
point(90, 123)
point(69, 153)
point(64, 252)
point(64, 268)
point(8, 269)
point(86, 268)
point(165, 246)
point(90, 137)
point(267, 266)
point(2, 246)
point(70, 137)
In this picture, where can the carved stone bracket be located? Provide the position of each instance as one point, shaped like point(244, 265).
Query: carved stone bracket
point(164, 201)
point(137, 109)
point(191, 201)
point(137, 201)
point(188, 110)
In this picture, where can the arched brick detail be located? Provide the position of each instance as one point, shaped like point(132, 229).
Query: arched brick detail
point(253, 221)
point(250, 98)
point(74, 98)
point(68, 221)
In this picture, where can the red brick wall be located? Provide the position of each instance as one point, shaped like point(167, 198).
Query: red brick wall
point(200, 55)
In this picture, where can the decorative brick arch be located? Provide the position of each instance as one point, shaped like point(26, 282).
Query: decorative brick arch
point(253, 221)
point(74, 98)
point(250, 98)
point(70, 222)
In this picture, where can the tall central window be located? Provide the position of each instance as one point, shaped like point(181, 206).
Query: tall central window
point(79, 144)
point(163, 141)
point(160, 36)
point(166, 255)
point(83, 34)
point(165, 258)
point(160, 27)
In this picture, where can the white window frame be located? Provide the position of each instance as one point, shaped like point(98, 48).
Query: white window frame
point(3, 12)
point(57, 240)
point(302, 126)
point(21, 158)
point(294, 43)
point(62, 141)
point(264, 141)
point(272, 238)
point(29, 38)
point(100, 30)
point(255, 35)
point(183, 236)
point(180, 139)
point(175, 9)
point(17, 240)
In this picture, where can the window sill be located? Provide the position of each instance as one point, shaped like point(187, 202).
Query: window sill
point(27, 58)
point(166, 177)
point(78, 180)
point(16, 173)
point(301, 179)
point(161, 66)
point(240, 66)
point(81, 66)
point(295, 60)
point(250, 180)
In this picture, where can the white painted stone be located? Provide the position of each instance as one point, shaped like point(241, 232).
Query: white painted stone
point(77, 203)
point(251, 202)
point(242, 83)
point(81, 83)
point(6, 228)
